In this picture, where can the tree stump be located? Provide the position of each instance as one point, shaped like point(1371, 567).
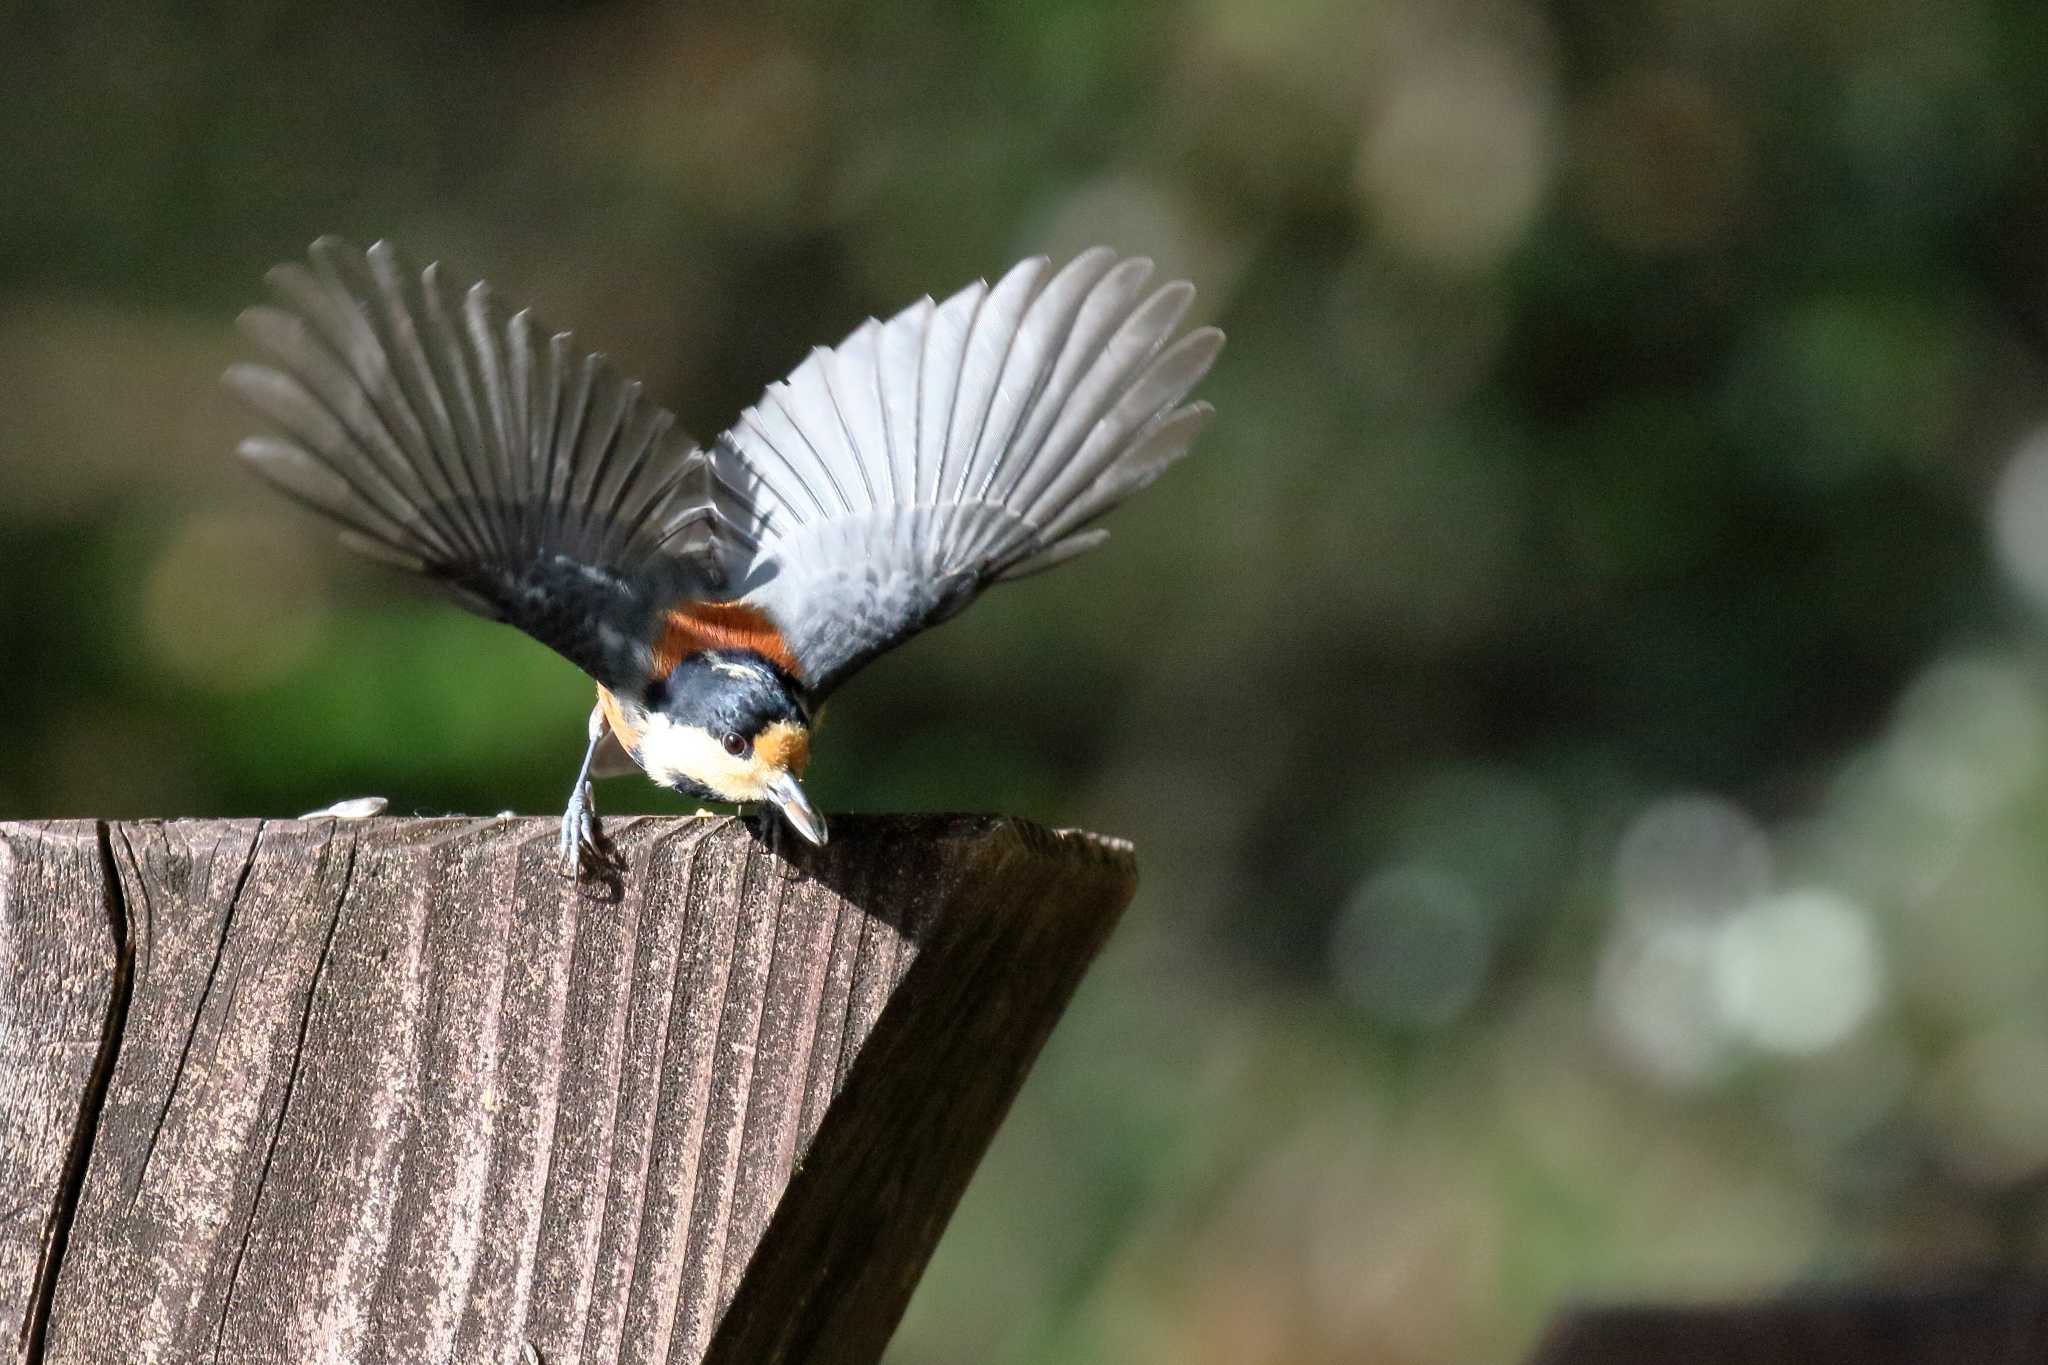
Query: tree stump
point(396, 1091)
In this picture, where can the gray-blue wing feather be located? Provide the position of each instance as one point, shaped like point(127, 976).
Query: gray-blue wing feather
point(889, 479)
point(531, 481)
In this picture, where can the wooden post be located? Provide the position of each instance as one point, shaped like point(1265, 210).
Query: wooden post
point(395, 1091)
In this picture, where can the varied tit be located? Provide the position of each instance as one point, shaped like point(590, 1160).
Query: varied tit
point(717, 596)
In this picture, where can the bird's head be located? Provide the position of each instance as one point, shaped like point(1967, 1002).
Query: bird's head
point(728, 725)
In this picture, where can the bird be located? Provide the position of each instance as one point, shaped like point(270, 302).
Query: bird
point(717, 595)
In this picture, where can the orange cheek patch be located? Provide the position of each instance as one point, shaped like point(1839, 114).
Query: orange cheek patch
point(697, 626)
point(784, 746)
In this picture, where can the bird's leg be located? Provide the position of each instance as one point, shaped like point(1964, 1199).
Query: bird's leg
point(583, 847)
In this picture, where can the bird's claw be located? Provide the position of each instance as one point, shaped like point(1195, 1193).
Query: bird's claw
point(583, 849)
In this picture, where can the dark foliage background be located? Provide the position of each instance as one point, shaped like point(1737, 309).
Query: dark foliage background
point(1582, 712)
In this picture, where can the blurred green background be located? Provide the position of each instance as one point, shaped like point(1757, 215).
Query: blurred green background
point(1583, 712)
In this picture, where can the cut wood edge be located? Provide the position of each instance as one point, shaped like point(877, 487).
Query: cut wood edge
point(861, 1216)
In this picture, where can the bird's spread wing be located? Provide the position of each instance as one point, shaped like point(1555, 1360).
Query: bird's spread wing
point(889, 479)
point(481, 451)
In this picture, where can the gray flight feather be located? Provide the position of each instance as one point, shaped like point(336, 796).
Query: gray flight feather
point(871, 494)
point(532, 482)
point(890, 479)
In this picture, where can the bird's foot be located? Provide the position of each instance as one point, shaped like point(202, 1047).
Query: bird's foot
point(584, 850)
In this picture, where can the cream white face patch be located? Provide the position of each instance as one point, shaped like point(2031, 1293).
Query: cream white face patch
point(669, 751)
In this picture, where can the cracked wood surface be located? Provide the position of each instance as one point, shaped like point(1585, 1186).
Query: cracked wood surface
point(394, 1091)
point(60, 996)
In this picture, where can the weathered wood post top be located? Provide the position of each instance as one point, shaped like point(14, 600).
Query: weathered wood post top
point(396, 1091)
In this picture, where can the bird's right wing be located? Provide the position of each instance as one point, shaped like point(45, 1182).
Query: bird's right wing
point(891, 478)
point(530, 481)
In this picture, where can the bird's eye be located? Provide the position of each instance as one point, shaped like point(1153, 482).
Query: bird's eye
point(735, 745)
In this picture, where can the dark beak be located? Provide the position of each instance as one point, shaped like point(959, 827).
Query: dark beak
point(796, 808)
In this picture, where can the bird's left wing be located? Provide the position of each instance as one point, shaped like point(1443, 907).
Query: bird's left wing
point(889, 479)
point(530, 481)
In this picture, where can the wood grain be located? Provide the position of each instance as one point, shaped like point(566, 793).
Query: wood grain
point(394, 1091)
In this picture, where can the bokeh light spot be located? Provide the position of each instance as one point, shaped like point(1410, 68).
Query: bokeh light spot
point(1849, 385)
point(1413, 948)
point(1691, 854)
point(1989, 1101)
point(1974, 941)
point(2019, 517)
point(1655, 1001)
point(234, 602)
point(1967, 739)
point(1799, 972)
point(1662, 163)
point(1455, 162)
point(1501, 829)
